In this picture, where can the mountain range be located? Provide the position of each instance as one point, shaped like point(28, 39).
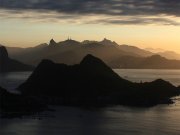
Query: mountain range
point(115, 55)
point(164, 53)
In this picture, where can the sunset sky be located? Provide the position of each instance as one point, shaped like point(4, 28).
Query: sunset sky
point(143, 23)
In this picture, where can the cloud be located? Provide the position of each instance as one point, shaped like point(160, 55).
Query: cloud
point(134, 11)
point(138, 20)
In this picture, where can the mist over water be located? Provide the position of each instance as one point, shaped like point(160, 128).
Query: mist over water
point(114, 120)
point(12, 80)
point(147, 75)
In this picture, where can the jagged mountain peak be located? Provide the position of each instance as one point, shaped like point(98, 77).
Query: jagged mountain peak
point(8, 65)
point(89, 59)
point(92, 62)
point(106, 41)
point(69, 42)
point(3, 52)
point(52, 42)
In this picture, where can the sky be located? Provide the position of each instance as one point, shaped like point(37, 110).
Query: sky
point(143, 23)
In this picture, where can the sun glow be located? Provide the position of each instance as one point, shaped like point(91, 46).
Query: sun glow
point(31, 28)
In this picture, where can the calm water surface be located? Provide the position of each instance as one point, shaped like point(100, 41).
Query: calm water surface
point(117, 120)
point(12, 80)
point(147, 75)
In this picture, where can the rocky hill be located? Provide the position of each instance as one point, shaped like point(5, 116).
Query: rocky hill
point(10, 65)
point(92, 82)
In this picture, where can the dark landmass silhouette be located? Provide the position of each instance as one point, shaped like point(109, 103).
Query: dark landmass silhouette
point(108, 42)
point(88, 84)
point(170, 55)
point(165, 53)
point(92, 82)
point(152, 62)
point(69, 52)
point(116, 56)
point(15, 105)
point(9, 65)
point(136, 50)
point(154, 50)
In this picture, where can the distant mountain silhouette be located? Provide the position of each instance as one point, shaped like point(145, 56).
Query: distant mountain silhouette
point(88, 42)
point(116, 56)
point(170, 55)
point(52, 42)
point(152, 62)
point(9, 65)
point(108, 42)
point(165, 53)
point(92, 82)
point(136, 50)
point(69, 52)
point(155, 50)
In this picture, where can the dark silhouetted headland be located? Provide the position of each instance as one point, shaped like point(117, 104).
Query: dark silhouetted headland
point(14, 105)
point(92, 82)
point(10, 65)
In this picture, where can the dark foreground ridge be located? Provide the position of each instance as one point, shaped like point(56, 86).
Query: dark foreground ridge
point(10, 65)
point(92, 83)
